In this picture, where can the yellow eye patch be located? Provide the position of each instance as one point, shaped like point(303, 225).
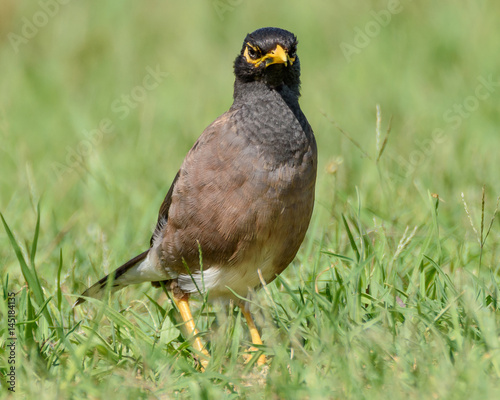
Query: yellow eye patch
point(276, 56)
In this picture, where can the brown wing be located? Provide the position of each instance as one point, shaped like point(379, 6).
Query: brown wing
point(209, 135)
point(163, 213)
point(207, 202)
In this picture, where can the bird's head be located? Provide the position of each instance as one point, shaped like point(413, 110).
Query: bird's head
point(269, 55)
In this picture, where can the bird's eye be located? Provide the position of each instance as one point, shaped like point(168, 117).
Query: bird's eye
point(252, 52)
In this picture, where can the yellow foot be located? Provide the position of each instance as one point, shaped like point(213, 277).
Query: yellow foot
point(247, 357)
point(192, 332)
point(254, 334)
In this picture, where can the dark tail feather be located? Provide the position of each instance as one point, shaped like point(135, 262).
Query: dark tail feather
point(97, 290)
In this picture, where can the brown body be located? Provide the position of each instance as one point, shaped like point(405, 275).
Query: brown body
point(240, 207)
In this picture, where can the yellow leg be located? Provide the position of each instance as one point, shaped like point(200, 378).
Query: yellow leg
point(187, 317)
point(254, 333)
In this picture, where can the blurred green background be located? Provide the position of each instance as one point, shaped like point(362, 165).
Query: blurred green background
point(71, 67)
point(62, 82)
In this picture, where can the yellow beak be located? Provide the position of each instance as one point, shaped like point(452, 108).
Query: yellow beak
point(277, 56)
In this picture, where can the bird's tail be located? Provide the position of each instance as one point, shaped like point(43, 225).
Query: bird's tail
point(137, 270)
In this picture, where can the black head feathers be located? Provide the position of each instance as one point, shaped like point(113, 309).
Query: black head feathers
point(269, 55)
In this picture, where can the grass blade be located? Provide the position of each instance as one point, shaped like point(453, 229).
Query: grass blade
point(351, 238)
point(35, 237)
point(30, 277)
point(59, 292)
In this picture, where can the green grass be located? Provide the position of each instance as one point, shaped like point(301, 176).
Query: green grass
point(394, 292)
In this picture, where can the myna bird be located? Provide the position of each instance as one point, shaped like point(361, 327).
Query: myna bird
point(239, 207)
